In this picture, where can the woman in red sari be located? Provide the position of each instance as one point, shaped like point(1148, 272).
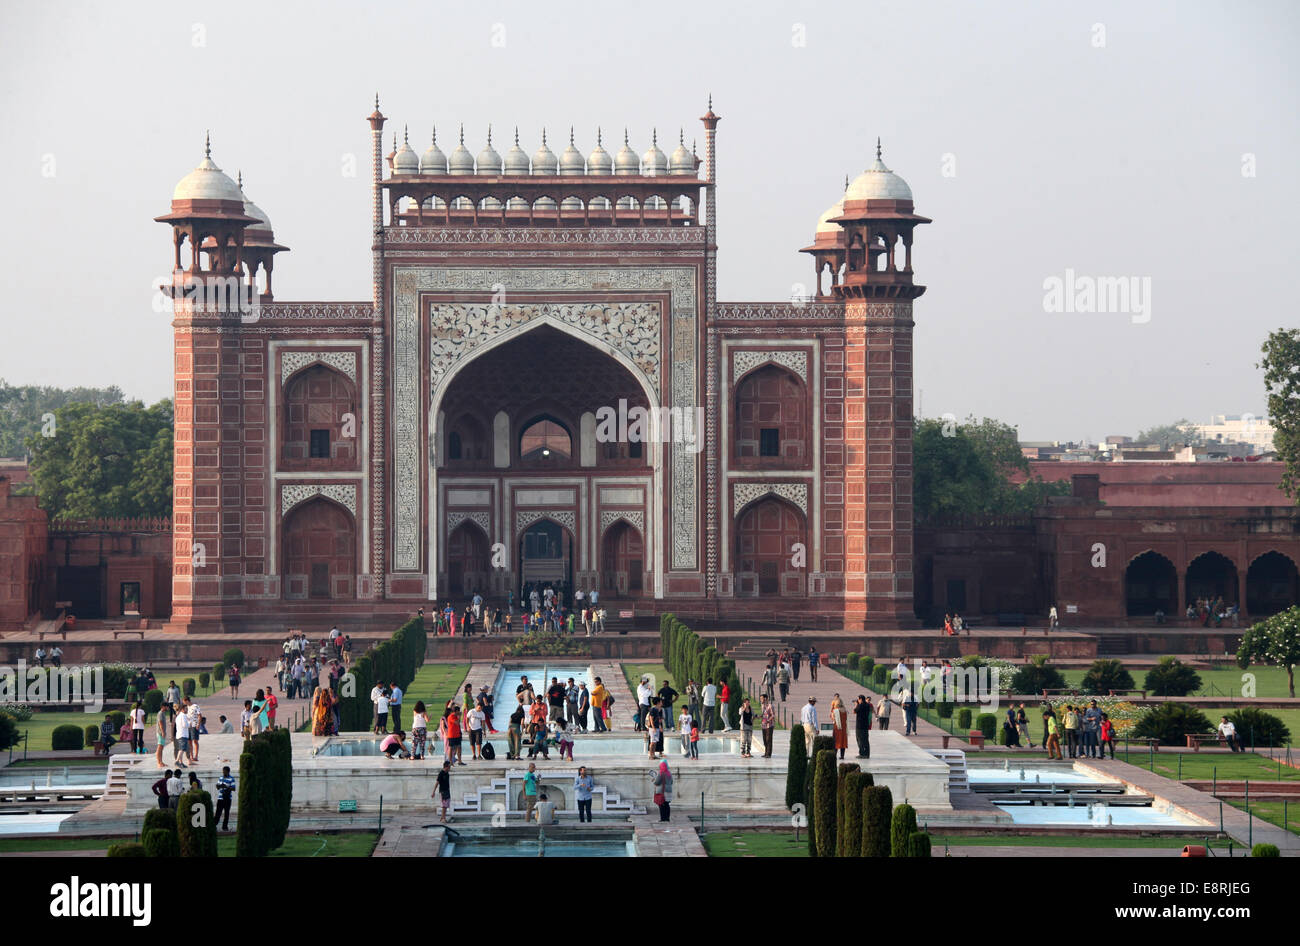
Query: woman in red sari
point(839, 722)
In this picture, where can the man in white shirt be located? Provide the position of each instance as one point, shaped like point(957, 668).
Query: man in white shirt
point(900, 672)
point(375, 693)
point(544, 809)
point(643, 697)
point(1228, 732)
point(56, 655)
point(709, 696)
point(193, 716)
point(175, 788)
point(137, 730)
point(475, 719)
point(809, 718)
point(181, 747)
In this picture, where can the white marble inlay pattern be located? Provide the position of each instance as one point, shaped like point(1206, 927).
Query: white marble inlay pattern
point(525, 519)
point(742, 494)
point(746, 360)
point(634, 517)
point(343, 361)
point(291, 494)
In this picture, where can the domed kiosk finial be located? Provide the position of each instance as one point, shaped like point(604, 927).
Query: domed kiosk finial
point(207, 145)
point(462, 132)
point(877, 149)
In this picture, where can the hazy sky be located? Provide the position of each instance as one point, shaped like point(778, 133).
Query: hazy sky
point(1104, 138)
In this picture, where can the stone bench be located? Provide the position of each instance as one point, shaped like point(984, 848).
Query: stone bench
point(128, 631)
point(1195, 740)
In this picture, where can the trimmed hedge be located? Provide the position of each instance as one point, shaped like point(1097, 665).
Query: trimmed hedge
point(877, 813)
point(153, 701)
point(234, 657)
point(1105, 675)
point(1265, 850)
point(687, 657)
point(825, 790)
point(987, 723)
point(265, 793)
point(1036, 676)
point(850, 834)
point(918, 844)
point(1171, 677)
point(92, 734)
point(159, 842)
point(820, 744)
point(163, 818)
point(8, 731)
point(879, 674)
point(963, 718)
point(187, 687)
point(128, 849)
point(901, 828)
point(851, 660)
point(796, 768)
point(396, 660)
point(204, 679)
point(1171, 722)
point(196, 840)
point(118, 718)
point(841, 794)
point(866, 666)
point(218, 675)
point(945, 710)
point(67, 736)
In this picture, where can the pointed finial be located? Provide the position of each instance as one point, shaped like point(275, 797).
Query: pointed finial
point(207, 144)
point(877, 149)
point(376, 101)
point(489, 134)
point(462, 133)
point(846, 182)
point(516, 136)
point(681, 137)
point(693, 140)
point(543, 137)
point(625, 144)
point(710, 101)
point(435, 136)
point(654, 137)
point(598, 142)
point(239, 178)
point(406, 136)
point(570, 136)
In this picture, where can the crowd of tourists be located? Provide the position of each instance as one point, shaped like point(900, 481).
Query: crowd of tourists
point(541, 607)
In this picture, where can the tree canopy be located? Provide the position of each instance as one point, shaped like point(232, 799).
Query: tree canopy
point(22, 410)
point(1281, 366)
point(1168, 436)
point(964, 469)
point(112, 460)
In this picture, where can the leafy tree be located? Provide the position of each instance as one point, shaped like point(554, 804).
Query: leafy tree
point(1171, 677)
point(1036, 676)
point(1105, 675)
point(1170, 723)
point(111, 461)
point(22, 410)
point(1168, 436)
point(1257, 728)
point(1281, 366)
point(964, 470)
point(795, 768)
point(1275, 641)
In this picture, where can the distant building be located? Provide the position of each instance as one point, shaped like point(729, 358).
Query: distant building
point(1251, 429)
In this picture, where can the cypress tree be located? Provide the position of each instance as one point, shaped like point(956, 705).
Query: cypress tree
point(918, 844)
point(795, 768)
point(902, 828)
point(196, 840)
point(820, 743)
point(850, 835)
point(841, 788)
point(877, 806)
point(825, 790)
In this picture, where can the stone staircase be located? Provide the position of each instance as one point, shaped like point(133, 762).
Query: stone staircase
point(115, 785)
point(756, 648)
point(958, 778)
point(499, 796)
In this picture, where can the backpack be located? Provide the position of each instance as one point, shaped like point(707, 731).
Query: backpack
point(488, 752)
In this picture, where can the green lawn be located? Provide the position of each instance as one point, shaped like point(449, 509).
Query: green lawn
point(41, 727)
point(1196, 765)
point(783, 844)
point(1290, 717)
point(435, 684)
point(350, 844)
point(19, 763)
point(1273, 812)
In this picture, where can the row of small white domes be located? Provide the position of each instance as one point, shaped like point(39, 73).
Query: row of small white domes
point(877, 182)
point(544, 161)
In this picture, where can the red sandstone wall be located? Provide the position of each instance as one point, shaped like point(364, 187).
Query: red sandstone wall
point(1141, 483)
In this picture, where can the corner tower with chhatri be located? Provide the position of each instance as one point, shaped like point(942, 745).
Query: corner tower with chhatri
point(352, 461)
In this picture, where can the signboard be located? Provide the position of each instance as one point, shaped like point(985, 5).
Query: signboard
point(625, 614)
point(1071, 609)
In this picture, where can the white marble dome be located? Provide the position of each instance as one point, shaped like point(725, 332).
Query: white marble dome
point(461, 161)
point(654, 160)
point(516, 161)
point(626, 162)
point(207, 182)
point(406, 161)
point(433, 161)
point(544, 161)
point(682, 161)
point(489, 162)
point(878, 183)
point(571, 161)
point(599, 162)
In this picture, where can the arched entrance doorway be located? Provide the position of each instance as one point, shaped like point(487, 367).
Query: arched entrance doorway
point(1272, 585)
point(622, 560)
point(468, 560)
point(320, 551)
point(546, 558)
point(766, 534)
point(1212, 576)
point(1150, 585)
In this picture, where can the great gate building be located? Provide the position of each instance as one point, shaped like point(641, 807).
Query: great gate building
point(543, 387)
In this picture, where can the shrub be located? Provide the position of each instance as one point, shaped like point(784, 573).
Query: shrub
point(918, 844)
point(9, 735)
point(902, 827)
point(159, 842)
point(204, 679)
point(795, 768)
point(963, 718)
point(819, 744)
point(21, 712)
point(1257, 728)
point(841, 789)
point(234, 657)
point(196, 840)
point(153, 701)
point(1036, 676)
point(825, 790)
point(1171, 677)
point(879, 674)
point(187, 687)
point(163, 818)
point(127, 849)
point(265, 792)
point(118, 718)
point(850, 830)
point(92, 735)
point(987, 723)
point(877, 812)
point(1170, 723)
point(1265, 850)
point(1105, 675)
point(851, 660)
point(218, 674)
point(945, 710)
point(67, 737)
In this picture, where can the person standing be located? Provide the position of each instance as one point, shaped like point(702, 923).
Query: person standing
point(1022, 725)
point(667, 695)
point(724, 704)
point(1053, 742)
point(655, 728)
point(883, 711)
point(159, 788)
point(783, 680)
point(1072, 731)
point(909, 712)
point(693, 698)
point(395, 706)
point(839, 724)
point(582, 786)
point(1052, 621)
point(599, 696)
point(174, 788)
point(442, 792)
point(225, 795)
point(556, 696)
point(571, 696)
point(684, 724)
point(767, 719)
point(814, 659)
point(709, 696)
point(1107, 736)
point(514, 731)
point(137, 728)
point(643, 695)
point(584, 705)
point(808, 716)
point(747, 728)
point(530, 791)
point(862, 713)
point(475, 720)
point(769, 681)
point(796, 658)
point(663, 784)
